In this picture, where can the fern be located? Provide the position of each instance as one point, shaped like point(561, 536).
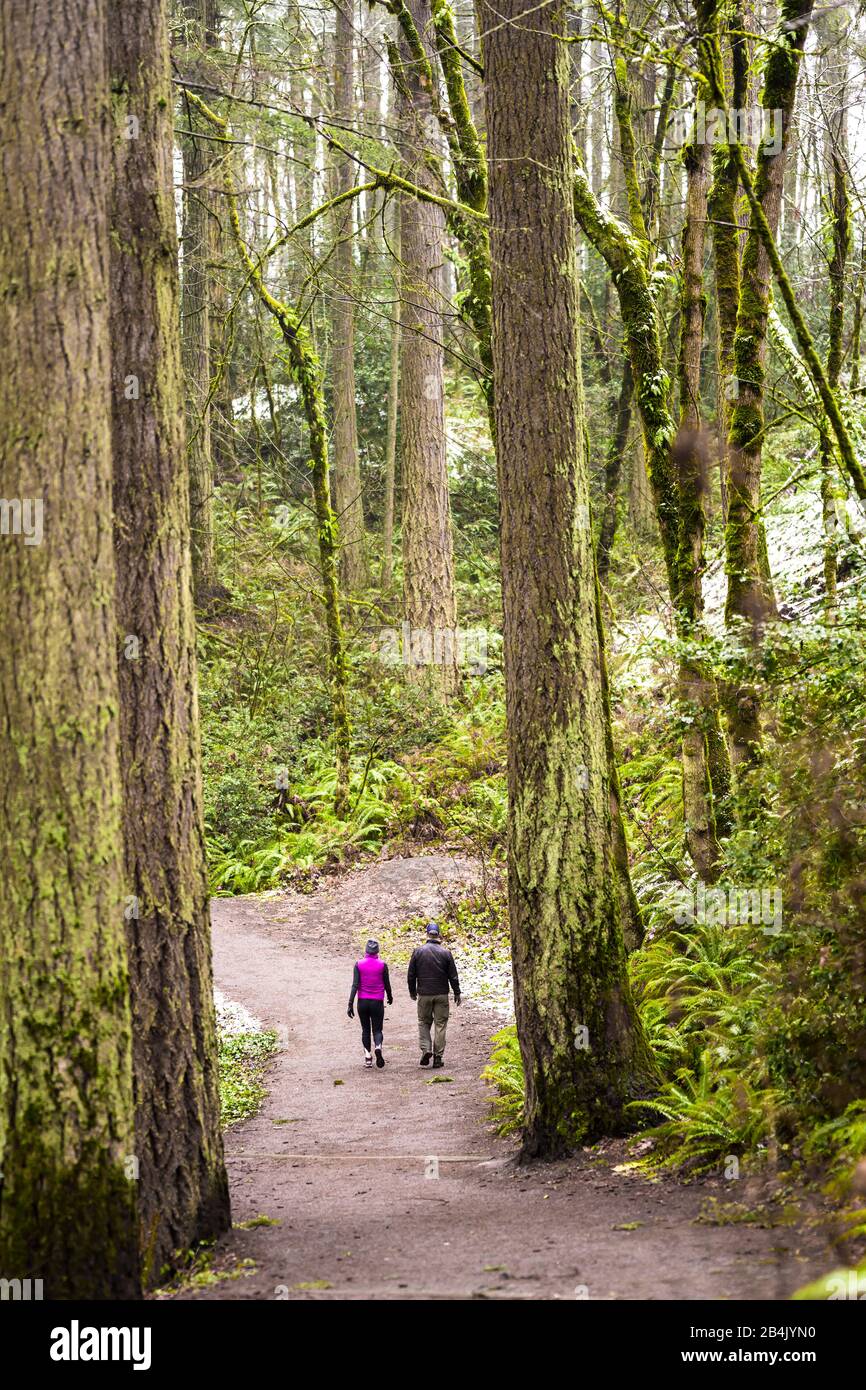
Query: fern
point(505, 1072)
point(707, 1116)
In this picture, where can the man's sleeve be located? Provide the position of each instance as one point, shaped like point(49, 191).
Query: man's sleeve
point(356, 984)
point(452, 976)
point(412, 975)
point(386, 980)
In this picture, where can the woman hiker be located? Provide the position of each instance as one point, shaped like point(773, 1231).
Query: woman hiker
point(371, 983)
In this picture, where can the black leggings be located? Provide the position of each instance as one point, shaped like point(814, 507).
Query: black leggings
point(371, 1012)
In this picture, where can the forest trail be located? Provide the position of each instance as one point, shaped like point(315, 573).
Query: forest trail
point(343, 1167)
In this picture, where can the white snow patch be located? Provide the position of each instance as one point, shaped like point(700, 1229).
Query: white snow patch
point(234, 1018)
point(487, 983)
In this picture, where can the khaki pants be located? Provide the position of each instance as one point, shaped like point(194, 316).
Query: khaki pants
point(432, 1008)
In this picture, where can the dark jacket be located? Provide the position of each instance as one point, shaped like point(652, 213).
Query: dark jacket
point(432, 970)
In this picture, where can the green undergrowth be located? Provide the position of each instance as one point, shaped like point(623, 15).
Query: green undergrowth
point(194, 1269)
point(423, 773)
point(243, 1060)
point(504, 1073)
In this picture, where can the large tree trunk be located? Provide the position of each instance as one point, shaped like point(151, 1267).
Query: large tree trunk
point(428, 555)
point(348, 500)
point(200, 16)
point(182, 1181)
point(583, 1050)
point(67, 1205)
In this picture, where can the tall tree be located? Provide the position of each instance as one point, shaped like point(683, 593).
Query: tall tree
point(722, 211)
point(429, 602)
point(834, 69)
point(697, 688)
point(201, 22)
point(348, 498)
point(393, 410)
point(67, 1204)
point(182, 1182)
point(583, 1050)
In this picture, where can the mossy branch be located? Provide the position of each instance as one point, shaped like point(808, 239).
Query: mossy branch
point(624, 255)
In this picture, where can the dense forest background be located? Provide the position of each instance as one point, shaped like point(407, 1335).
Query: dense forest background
point(526, 522)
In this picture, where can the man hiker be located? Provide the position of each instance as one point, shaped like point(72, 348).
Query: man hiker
point(431, 971)
point(371, 983)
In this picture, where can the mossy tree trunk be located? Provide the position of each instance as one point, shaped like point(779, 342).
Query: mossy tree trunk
point(429, 602)
point(857, 327)
point(750, 598)
point(722, 211)
point(348, 497)
point(183, 1191)
point(67, 1202)
point(583, 1049)
point(706, 777)
point(613, 472)
point(647, 202)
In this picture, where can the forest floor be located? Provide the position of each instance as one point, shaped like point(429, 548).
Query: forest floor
point(344, 1161)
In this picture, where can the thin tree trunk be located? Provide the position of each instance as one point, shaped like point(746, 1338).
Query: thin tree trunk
point(856, 331)
point(200, 18)
point(183, 1190)
point(348, 499)
point(583, 1050)
point(613, 472)
point(835, 165)
point(219, 325)
point(67, 1202)
point(722, 210)
point(750, 599)
point(599, 111)
point(371, 69)
point(393, 410)
point(429, 602)
point(706, 772)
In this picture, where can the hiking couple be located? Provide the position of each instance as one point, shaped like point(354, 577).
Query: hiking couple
point(431, 972)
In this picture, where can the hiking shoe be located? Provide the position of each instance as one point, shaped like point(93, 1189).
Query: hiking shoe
point(425, 1059)
point(380, 1060)
point(437, 1061)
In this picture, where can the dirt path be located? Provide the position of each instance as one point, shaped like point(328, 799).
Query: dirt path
point(349, 1169)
